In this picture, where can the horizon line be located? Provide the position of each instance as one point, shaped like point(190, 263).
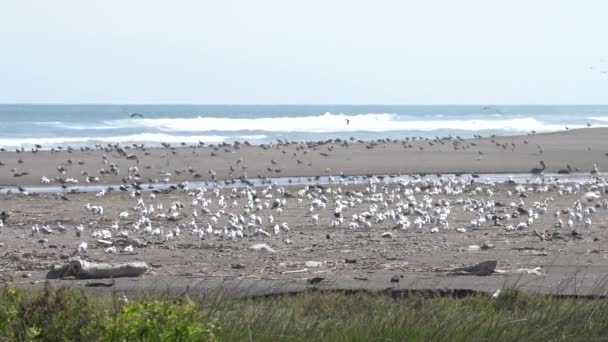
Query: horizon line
point(287, 104)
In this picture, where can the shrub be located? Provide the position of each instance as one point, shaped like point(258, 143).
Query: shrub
point(160, 321)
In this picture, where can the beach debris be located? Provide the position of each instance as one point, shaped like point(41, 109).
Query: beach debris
point(99, 284)
point(533, 271)
point(484, 268)
point(496, 294)
point(295, 271)
point(315, 280)
point(262, 247)
point(313, 264)
point(81, 269)
point(387, 235)
point(487, 245)
point(474, 248)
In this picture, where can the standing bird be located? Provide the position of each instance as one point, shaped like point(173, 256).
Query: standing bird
point(4, 216)
point(565, 171)
point(539, 170)
point(594, 170)
point(395, 279)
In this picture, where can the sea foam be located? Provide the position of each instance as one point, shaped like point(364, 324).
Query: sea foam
point(327, 123)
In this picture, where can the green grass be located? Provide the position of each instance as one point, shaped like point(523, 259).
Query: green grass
point(71, 314)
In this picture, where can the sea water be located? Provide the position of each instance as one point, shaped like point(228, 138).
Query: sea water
point(23, 125)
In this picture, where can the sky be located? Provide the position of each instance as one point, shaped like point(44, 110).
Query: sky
point(304, 52)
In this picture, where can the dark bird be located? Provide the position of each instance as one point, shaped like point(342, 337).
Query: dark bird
point(315, 280)
point(565, 171)
point(539, 170)
point(136, 115)
point(4, 216)
point(523, 211)
point(395, 279)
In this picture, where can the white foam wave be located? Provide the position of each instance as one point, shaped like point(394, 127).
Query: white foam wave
point(125, 139)
point(598, 118)
point(327, 123)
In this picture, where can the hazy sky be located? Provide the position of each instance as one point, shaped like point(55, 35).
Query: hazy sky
point(313, 51)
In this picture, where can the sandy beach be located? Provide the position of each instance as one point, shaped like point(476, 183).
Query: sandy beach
point(518, 154)
point(540, 256)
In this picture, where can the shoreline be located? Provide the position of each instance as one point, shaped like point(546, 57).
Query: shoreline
point(581, 148)
point(499, 178)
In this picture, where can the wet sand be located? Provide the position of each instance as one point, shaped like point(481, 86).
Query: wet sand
point(346, 257)
point(578, 148)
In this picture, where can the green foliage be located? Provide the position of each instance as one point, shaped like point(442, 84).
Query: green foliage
point(77, 315)
point(160, 321)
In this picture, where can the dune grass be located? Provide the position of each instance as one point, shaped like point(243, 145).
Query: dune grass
point(73, 314)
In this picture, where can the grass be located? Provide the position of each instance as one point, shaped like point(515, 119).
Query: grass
point(77, 315)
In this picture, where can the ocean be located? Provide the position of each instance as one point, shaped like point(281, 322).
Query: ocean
point(24, 125)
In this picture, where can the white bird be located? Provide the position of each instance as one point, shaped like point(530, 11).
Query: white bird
point(591, 196)
point(82, 247)
point(46, 229)
point(60, 227)
point(587, 223)
point(111, 250)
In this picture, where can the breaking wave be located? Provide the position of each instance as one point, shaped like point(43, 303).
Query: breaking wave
point(152, 138)
point(326, 123)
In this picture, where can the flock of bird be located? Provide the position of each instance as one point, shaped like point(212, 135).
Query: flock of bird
point(259, 215)
point(264, 216)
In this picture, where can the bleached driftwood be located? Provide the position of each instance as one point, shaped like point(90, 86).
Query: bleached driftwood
point(80, 269)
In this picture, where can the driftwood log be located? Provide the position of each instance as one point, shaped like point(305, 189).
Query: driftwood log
point(80, 269)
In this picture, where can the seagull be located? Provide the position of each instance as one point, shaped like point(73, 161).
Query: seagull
point(82, 247)
point(591, 196)
point(136, 115)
